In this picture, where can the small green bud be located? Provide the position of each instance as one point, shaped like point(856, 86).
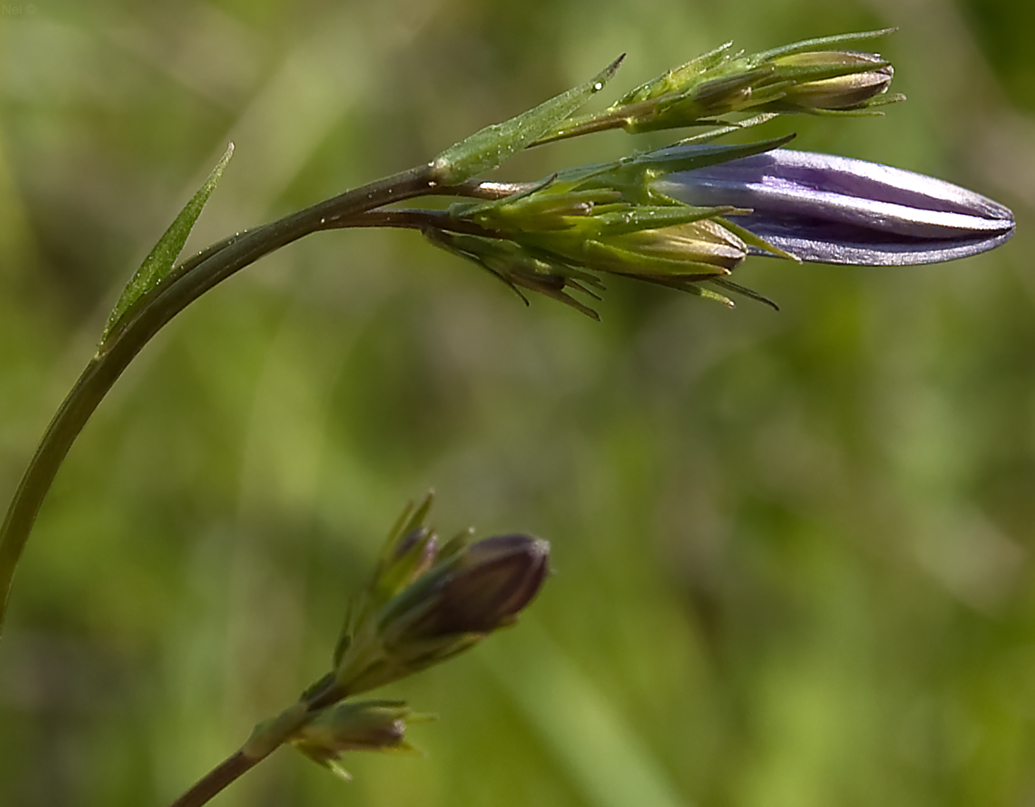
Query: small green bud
point(840, 80)
point(697, 250)
point(552, 237)
point(810, 76)
point(377, 725)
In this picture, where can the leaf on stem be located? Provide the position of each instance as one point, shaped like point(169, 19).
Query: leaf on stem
point(162, 258)
point(490, 147)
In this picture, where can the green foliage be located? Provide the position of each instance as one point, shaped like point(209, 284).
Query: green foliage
point(493, 145)
point(161, 259)
point(792, 550)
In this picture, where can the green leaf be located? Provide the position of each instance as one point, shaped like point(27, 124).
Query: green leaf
point(160, 261)
point(491, 146)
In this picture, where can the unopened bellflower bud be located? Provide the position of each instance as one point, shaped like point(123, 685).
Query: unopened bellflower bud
point(857, 80)
point(485, 589)
point(829, 209)
point(435, 610)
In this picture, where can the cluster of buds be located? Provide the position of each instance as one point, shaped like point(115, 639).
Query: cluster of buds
point(686, 216)
point(814, 76)
point(556, 236)
point(426, 601)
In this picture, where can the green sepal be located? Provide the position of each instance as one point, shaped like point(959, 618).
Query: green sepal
point(867, 111)
point(634, 176)
point(160, 261)
point(757, 242)
point(744, 291)
point(820, 43)
point(493, 145)
point(673, 80)
point(648, 217)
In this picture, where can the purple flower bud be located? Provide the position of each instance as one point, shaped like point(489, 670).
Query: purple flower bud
point(468, 593)
point(491, 583)
point(831, 209)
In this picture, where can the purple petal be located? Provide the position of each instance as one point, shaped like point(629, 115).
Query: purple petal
point(839, 210)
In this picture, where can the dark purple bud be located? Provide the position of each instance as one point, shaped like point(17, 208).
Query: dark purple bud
point(492, 581)
point(831, 209)
point(427, 604)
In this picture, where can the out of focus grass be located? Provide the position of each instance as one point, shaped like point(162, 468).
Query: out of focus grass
point(793, 550)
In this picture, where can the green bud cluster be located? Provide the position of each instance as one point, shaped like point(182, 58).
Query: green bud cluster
point(425, 602)
point(813, 76)
point(556, 236)
point(375, 725)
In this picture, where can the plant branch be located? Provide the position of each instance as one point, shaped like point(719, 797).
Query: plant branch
point(267, 738)
point(220, 777)
point(152, 311)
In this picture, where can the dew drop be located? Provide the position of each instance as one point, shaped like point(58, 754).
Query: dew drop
point(598, 86)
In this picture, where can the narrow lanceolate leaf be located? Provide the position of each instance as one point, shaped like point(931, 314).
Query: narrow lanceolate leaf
point(490, 147)
point(160, 261)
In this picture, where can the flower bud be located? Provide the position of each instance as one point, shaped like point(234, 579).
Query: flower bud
point(699, 249)
point(491, 582)
point(378, 725)
point(831, 209)
point(832, 80)
point(808, 76)
point(468, 593)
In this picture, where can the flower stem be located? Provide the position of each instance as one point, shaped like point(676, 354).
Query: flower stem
point(145, 318)
point(216, 780)
point(267, 738)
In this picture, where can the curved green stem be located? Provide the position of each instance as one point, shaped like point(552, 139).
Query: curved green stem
point(146, 317)
point(267, 738)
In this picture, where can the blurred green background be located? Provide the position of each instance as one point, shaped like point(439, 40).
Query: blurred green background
point(793, 551)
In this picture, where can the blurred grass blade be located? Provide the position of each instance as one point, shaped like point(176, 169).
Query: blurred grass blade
point(490, 147)
point(598, 749)
point(162, 258)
